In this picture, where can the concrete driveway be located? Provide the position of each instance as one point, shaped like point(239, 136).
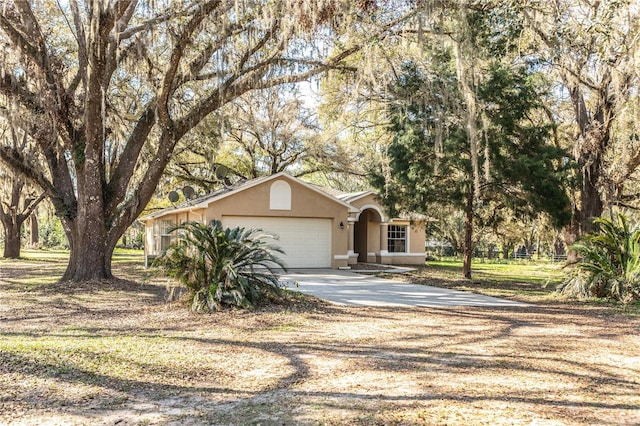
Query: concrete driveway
point(349, 288)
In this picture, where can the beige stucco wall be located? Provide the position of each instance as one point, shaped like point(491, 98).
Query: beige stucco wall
point(416, 234)
point(254, 201)
point(373, 235)
point(417, 239)
point(149, 250)
point(308, 203)
point(416, 253)
point(370, 201)
point(305, 203)
point(152, 241)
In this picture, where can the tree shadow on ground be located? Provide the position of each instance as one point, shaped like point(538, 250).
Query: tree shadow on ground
point(419, 353)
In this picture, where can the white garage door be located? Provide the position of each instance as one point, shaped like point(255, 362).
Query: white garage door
point(306, 242)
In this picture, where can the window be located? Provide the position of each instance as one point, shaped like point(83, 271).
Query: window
point(397, 238)
point(280, 196)
point(165, 236)
point(166, 226)
point(156, 237)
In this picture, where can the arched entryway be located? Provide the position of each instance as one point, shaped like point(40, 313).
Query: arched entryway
point(366, 238)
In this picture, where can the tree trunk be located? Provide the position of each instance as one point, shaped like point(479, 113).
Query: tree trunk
point(74, 111)
point(593, 141)
point(570, 235)
point(592, 204)
point(13, 218)
point(35, 236)
point(90, 253)
point(528, 246)
point(491, 252)
point(88, 262)
point(11, 241)
point(468, 237)
point(591, 207)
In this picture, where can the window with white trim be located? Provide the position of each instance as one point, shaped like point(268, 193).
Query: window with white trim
point(397, 238)
point(165, 236)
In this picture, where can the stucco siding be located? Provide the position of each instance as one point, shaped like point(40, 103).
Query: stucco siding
point(282, 196)
point(305, 203)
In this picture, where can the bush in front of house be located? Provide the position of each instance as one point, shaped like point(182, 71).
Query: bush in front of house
point(223, 267)
point(610, 262)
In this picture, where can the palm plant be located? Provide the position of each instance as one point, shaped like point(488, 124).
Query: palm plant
point(610, 264)
point(223, 266)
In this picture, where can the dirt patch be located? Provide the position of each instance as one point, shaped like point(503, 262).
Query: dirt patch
point(121, 355)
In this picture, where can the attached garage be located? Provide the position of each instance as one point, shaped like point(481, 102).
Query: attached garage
point(305, 241)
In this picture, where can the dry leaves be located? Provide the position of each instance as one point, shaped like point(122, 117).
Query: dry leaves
point(121, 355)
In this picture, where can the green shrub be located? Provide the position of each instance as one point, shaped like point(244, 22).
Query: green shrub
point(223, 266)
point(610, 262)
point(52, 234)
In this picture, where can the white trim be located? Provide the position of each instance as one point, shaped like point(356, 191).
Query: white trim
point(373, 207)
point(406, 254)
point(340, 257)
point(371, 254)
point(384, 252)
point(407, 242)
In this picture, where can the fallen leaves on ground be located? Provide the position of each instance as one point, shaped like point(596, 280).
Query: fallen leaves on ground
point(118, 353)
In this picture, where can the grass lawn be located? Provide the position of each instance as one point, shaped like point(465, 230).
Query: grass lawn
point(522, 280)
point(119, 353)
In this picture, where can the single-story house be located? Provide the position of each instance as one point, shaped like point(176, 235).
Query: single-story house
point(317, 227)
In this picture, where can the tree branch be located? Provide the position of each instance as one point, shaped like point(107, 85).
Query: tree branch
point(121, 175)
point(16, 90)
point(18, 39)
point(17, 162)
point(168, 85)
point(32, 206)
point(81, 39)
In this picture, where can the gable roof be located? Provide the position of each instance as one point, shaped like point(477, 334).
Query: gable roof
point(204, 201)
point(352, 196)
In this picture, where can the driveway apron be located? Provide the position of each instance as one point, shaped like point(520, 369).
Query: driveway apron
point(349, 288)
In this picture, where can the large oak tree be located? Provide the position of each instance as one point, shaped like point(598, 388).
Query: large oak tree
point(17, 204)
point(591, 49)
point(111, 87)
point(18, 197)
